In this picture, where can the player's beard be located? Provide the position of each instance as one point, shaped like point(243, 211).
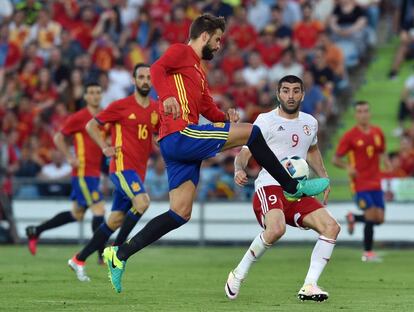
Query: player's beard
point(207, 52)
point(143, 91)
point(288, 110)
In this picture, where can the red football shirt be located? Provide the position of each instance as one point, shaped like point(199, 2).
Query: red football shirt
point(89, 154)
point(178, 74)
point(363, 150)
point(131, 131)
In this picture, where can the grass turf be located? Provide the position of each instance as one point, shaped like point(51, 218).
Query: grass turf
point(192, 279)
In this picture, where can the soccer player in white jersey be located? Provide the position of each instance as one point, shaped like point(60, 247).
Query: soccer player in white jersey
point(288, 132)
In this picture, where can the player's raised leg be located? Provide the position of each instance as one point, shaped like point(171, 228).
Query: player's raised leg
point(322, 222)
point(251, 135)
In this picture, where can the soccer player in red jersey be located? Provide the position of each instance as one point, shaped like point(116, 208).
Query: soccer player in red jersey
point(364, 145)
point(182, 87)
point(86, 171)
point(133, 121)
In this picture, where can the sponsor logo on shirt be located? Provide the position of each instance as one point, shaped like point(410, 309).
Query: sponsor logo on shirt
point(132, 116)
point(280, 128)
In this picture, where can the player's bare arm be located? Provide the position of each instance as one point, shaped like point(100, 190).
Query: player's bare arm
point(93, 129)
point(171, 106)
point(340, 163)
point(314, 159)
point(240, 164)
point(60, 142)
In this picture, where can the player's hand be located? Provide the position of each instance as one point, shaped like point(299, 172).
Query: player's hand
point(232, 115)
point(109, 151)
point(351, 172)
point(240, 177)
point(73, 161)
point(326, 195)
point(171, 106)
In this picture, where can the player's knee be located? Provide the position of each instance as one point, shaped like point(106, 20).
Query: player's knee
point(142, 204)
point(115, 222)
point(272, 234)
point(331, 229)
point(78, 214)
point(98, 210)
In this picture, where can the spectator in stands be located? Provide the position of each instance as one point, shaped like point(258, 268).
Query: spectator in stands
point(333, 56)
point(178, 27)
point(313, 101)
point(65, 12)
point(29, 166)
point(142, 31)
point(322, 10)
point(219, 8)
point(19, 31)
point(243, 94)
point(109, 92)
point(287, 66)
point(70, 49)
point(406, 47)
point(258, 14)
point(31, 10)
point(406, 109)
point(268, 47)
point(406, 155)
point(291, 12)
point(241, 31)
point(46, 33)
point(348, 25)
point(54, 178)
point(81, 31)
point(306, 33)
point(59, 71)
point(109, 23)
point(75, 91)
point(10, 53)
point(232, 60)
point(283, 32)
point(156, 181)
point(44, 94)
point(255, 74)
point(225, 187)
point(104, 52)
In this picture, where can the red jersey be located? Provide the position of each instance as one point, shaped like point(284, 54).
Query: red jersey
point(178, 74)
point(131, 131)
point(88, 153)
point(364, 150)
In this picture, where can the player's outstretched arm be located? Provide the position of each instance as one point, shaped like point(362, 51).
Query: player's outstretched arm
point(240, 164)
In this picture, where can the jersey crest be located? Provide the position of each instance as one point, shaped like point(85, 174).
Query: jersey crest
point(154, 118)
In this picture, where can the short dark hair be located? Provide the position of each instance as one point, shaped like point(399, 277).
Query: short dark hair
point(206, 22)
point(290, 79)
point(360, 103)
point(91, 84)
point(138, 66)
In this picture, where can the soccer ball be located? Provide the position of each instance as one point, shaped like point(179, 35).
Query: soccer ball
point(296, 166)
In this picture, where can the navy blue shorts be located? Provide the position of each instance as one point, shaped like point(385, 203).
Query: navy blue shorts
point(183, 151)
point(127, 185)
point(370, 199)
point(85, 190)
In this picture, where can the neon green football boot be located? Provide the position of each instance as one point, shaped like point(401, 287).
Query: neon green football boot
point(307, 187)
point(116, 267)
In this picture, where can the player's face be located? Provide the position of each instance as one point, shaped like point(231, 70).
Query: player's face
point(362, 114)
point(143, 81)
point(290, 96)
point(212, 45)
point(93, 96)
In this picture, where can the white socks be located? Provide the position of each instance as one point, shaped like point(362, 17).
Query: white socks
point(320, 257)
point(255, 251)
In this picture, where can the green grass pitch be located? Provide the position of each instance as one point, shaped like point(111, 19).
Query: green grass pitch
point(192, 279)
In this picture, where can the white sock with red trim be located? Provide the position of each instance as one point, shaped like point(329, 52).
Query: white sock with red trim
point(320, 257)
point(255, 251)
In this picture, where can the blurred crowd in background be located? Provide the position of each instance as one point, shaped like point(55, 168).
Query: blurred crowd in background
point(50, 49)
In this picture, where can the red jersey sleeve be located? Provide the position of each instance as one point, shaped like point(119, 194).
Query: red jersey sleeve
point(71, 125)
point(173, 59)
point(381, 144)
point(110, 114)
point(344, 146)
point(210, 109)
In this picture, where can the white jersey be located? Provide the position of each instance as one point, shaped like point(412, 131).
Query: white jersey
point(286, 138)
